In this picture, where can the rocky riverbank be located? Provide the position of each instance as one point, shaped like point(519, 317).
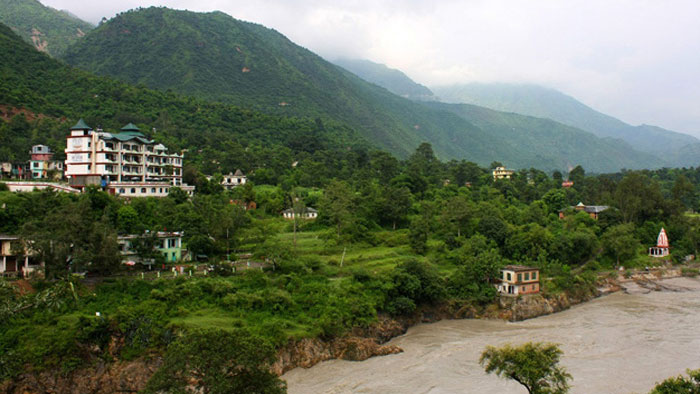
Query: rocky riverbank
point(358, 345)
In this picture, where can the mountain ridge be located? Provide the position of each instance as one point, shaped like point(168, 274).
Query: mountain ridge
point(213, 56)
point(538, 101)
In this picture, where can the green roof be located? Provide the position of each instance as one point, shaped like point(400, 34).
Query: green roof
point(81, 125)
point(130, 127)
point(128, 136)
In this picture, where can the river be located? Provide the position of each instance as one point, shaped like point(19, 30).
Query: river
point(621, 343)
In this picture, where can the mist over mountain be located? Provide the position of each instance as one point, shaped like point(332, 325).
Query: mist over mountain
point(391, 79)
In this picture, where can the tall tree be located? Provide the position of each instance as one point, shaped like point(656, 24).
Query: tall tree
point(533, 365)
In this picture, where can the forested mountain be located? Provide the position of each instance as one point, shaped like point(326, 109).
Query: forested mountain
point(542, 102)
point(543, 137)
point(48, 29)
point(218, 137)
point(391, 79)
point(216, 57)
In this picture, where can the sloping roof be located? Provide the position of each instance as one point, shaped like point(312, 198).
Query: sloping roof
point(128, 136)
point(588, 208)
point(81, 125)
point(130, 127)
point(518, 268)
point(5, 237)
point(238, 173)
point(595, 208)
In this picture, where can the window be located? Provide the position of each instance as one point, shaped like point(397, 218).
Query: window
point(527, 276)
point(520, 277)
point(509, 278)
point(523, 288)
point(122, 191)
point(534, 287)
point(143, 190)
point(534, 276)
point(133, 190)
point(153, 190)
point(89, 144)
point(160, 190)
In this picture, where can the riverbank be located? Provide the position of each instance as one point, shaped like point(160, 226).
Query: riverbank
point(621, 343)
point(360, 344)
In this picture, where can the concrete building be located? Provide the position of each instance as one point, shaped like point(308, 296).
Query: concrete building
point(519, 279)
point(169, 244)
point(662, 248)
point(124, 163)
point(13, 263)
point(502, 173)
point(306, 213)
point(233, 180)
point(42, 165)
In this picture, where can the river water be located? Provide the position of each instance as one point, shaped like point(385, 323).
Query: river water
point(621, 343)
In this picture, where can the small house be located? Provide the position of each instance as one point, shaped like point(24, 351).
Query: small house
point(502, 173)
point(306, 213)
point(13, 263)
point(233, 180)
point(169, 244)
point(662, 247)
point(592, 210)
point(519, 279)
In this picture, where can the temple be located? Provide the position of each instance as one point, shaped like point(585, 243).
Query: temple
point(661, 249)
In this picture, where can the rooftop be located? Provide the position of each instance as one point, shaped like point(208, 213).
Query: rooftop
point(81, 125)
point(519, 268)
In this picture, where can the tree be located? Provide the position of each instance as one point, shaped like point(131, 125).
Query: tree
point(679, 384)
point(394, 204)
point(619, 243)
point(533, 365)
point(338, 206)
point(217, 362)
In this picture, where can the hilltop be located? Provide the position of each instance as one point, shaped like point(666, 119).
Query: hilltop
point(48, 29)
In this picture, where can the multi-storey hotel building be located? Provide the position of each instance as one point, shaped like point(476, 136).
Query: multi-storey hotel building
point(126, 163)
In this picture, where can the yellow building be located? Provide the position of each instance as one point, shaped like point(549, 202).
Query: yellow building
point(502, 173)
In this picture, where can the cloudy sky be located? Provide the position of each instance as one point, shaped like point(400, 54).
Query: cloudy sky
point(638, 60)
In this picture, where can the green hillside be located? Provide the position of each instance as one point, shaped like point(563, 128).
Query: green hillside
point(391, 79)
point(553, 145)
point(216, 57)
point(48, 29)
point(542, 102)
point(223, 137)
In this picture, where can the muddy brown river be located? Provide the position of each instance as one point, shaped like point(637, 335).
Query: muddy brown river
point(621, 343)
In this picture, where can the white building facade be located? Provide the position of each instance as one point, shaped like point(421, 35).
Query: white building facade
point(125, 163)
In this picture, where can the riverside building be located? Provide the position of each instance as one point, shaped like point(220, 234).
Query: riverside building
point(125, 163)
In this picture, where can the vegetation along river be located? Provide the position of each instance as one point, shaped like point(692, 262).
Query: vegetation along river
point(621, 343)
